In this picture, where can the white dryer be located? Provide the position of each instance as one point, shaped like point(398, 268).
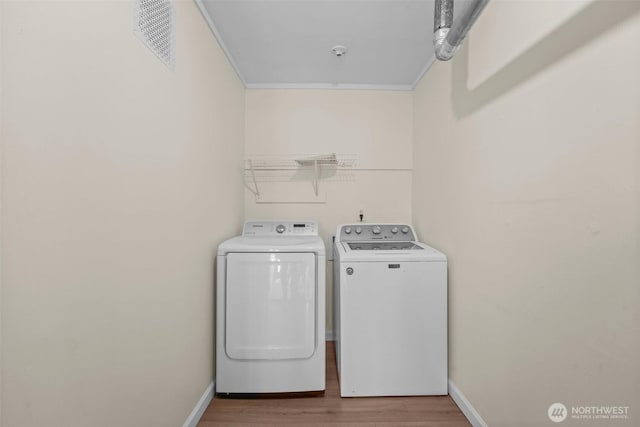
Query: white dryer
point(390, 312)
point(270, 328)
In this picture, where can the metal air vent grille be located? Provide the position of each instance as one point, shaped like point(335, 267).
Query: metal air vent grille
point(154, 24)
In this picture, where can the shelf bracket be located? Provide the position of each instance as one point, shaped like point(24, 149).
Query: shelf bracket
point(316, 176)
point(255, 189)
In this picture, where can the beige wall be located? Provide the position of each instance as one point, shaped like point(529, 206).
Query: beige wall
point(375, 127)
point(530, 183)
point(120, 177)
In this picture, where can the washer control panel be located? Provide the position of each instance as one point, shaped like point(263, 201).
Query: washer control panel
point(280, 228)
point(360, 232)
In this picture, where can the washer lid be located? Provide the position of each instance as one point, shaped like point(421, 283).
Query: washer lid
point(384, 246)
point(312, 244)
point(424, 253)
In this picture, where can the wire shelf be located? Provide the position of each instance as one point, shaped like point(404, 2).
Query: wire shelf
point(313, 163)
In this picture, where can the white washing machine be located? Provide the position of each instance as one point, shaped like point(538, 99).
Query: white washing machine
point(390, 312)
point(270, 329)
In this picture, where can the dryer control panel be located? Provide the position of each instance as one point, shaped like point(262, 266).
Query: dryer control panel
point(280, 228)
point(360, 232)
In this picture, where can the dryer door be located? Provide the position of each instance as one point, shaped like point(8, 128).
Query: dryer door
point(270, 305)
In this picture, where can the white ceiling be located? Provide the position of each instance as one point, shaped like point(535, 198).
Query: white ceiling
point(287, 43)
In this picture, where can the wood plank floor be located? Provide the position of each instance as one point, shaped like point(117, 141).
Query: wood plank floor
point(331, 409)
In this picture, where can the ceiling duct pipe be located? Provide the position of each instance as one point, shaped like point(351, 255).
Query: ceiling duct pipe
point(446, 37)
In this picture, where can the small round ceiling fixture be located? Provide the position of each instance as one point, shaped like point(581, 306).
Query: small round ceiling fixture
point(339, 51)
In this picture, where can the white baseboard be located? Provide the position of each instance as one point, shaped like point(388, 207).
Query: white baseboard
point(465, 406)
point(195, 415)
point(329, 336)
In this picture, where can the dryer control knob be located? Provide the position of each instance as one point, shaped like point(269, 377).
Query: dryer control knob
point(405, 230)
point(376, 229)
point(349, 271)
point(347, 230)
point(280, 229)
point(358, 230)
point(394, 230)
